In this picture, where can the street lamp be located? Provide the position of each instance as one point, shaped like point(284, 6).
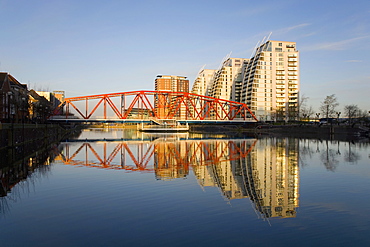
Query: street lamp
point(338, 114)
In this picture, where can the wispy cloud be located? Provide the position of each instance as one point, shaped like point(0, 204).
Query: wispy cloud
point(308, 34)
point(354, 61)
point(281, 31)
point(288, 29)
point(337, 45)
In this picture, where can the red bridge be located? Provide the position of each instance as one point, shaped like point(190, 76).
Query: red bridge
point(151, 106)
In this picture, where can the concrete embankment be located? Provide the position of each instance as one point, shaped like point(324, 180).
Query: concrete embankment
point(18, 141)
point(339, 132)
point(13, 135)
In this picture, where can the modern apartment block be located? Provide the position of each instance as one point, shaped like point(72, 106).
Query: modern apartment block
point(169, 83)
point(226, 77)
point(270, 84)
point(203, 82)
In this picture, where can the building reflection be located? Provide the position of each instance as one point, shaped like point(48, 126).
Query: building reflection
point(21, 164)
point(265, 170)
point(268, 176)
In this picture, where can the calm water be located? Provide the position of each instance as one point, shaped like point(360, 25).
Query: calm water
point(133, 189)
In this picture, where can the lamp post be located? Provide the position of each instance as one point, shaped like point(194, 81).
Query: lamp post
point(338, 114)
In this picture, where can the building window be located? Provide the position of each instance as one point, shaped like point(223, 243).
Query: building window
point(280, 44)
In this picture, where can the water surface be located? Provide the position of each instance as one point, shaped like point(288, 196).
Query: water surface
point(186, 190)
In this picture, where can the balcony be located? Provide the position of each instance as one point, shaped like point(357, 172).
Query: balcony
point(280, 72)
point(292, 64)
point(280, 68)
point(280, 77)
point(280, 86)
point(292, 59)
point(292, 69)
point(292, 77)
point(292, 55)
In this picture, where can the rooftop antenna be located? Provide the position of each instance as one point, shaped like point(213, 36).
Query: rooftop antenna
point(255, 49)
point(222, 62)
point(268, 38)
point(201, 69)
point(263, 40)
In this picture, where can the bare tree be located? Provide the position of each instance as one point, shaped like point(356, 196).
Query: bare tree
point(329, 105)
point(351, 111)
point(302, 105)
point(307, 112)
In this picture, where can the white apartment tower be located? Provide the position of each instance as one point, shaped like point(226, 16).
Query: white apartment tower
point(203, 81)
point(270, 84)
point(225, 77)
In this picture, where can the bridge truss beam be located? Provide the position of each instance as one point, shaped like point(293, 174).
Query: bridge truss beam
point(157, 105)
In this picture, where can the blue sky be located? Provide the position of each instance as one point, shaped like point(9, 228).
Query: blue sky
point(90, 47)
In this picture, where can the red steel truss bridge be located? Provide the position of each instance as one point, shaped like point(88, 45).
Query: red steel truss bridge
point(153, 156)
point(139, 106)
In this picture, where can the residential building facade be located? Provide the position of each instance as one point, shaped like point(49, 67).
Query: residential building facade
point(13, 99)
point(270, 85)
point(169, 83)
point(203, 82)
point(225, 79)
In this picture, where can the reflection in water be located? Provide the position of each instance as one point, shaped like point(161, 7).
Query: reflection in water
point(330, 152)
point(23, 171)
point(266, 171)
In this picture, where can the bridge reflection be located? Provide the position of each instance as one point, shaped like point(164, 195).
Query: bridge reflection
point(266, 171)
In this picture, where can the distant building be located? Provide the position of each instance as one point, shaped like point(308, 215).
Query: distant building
point(270, 85)
point(59, 95)
point(40, 107)
point(55, 97)
point(172, 84)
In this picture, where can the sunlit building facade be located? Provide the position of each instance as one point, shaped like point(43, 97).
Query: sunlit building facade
point(172, 84)
point(203, 82)
point(225, 77)
point(270, 85)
